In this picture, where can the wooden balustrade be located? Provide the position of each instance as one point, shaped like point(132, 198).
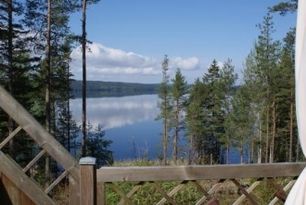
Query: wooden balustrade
point(184, 176)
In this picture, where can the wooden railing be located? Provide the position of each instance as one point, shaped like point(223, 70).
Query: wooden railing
point(46, 144)
point(244, 179)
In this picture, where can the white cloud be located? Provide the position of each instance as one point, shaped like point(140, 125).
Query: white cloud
point(187, 63)
point(103, 61)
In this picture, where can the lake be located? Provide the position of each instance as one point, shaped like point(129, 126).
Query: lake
point(130, 122)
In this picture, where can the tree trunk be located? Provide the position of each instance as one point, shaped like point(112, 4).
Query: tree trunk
point(291, 126)
point(84, 115)
point(175, 138)
point(271, 158)
point(251, 155)
point(227, 153)
point(241, 152)
point(191, 150)
point(267, 135)
point(165, 137)
point(11, 69)
point(48, 90)
point(260, 142)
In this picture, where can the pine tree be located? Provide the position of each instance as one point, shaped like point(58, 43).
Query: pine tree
point(98, 146)
point(17, 66)
point(267, 54)
point(239, 124)
point(194, 122)
point(165, 107)
point(228, 78)
point(288, 6)
point(178, 91)
point(214, 112)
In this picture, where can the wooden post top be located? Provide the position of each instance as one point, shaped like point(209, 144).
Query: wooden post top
point(87, 161)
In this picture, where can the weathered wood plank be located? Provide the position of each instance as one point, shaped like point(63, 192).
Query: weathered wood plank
point(34, 160)
point(164, 194)
point(247, 194)
point(172, 192)
point(6, 140)
point(58, 180)
point(181, 173)
point(213, 189)
point(286, 188)
point(38, 133)
point(132, 192)
point(249, 190)
point(74, 192)
point(13, 193)
point(14, 173)
point(88, 185)
point(101, 196)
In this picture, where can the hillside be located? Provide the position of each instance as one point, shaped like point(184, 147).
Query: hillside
point(108, 89)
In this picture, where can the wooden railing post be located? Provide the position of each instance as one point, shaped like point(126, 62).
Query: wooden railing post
point(88, 181)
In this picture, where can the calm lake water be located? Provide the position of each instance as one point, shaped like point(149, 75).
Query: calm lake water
point(130, 123)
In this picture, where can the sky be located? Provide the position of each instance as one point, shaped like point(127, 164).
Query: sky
point(130, 37)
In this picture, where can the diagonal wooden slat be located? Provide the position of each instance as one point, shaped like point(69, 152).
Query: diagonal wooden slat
point(242, 189)
point(172, 192)
point(286, 188)
point(132, 192)
point(6, 140)
point(249, 190)
point(35, 130)
point(14, 173)
point(213, 189)
point(200, 188)
point(34, 160)
point(165, 195)
point(126, 200)
point(58, 180)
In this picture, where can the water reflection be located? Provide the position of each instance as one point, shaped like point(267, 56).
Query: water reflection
point(115, 112)
point(128, 121)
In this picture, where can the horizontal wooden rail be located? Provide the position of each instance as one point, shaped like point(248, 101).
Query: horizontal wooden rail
point(181, 173)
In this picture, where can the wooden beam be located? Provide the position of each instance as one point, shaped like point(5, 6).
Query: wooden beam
point(181, 173)
point(74, 192)
point(14, 173)
point(88, 184)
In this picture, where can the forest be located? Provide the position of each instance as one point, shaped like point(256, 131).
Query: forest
point(216, 113)
point(112, 89)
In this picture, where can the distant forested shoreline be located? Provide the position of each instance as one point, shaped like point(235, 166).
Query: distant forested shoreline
point(112, 89)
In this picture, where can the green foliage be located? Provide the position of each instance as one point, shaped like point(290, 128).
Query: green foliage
point(178, 98)
point(98, 147)
point(288, 6)
point(165, 107)
point(112, 89)
point(208, 107)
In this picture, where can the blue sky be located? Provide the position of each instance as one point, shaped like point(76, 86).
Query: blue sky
point(131, 36)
